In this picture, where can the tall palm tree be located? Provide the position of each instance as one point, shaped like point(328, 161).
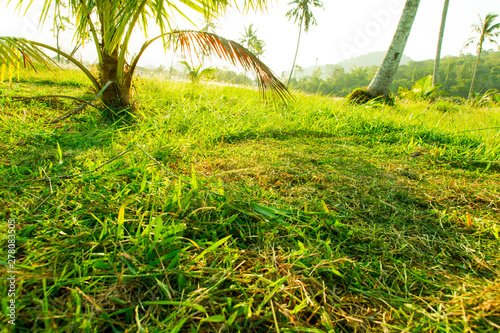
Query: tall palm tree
point(487, 30)
point(435, 76)
point(111, 24)
point(302, 13)
point(381, 83)
point(252, 42)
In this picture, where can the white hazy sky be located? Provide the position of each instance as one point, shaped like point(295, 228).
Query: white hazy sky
point(345, 29)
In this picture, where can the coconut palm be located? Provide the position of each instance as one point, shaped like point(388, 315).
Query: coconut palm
point(196, 73)
point(486, 31)
point(435, 76)
point(112, 23)
point(382, 80)
point(252, 42)
point(302, 13)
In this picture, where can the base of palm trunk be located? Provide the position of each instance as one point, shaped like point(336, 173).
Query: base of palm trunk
point(362, 96)
point(117, 111)
point(359, 96)
point(117, 104)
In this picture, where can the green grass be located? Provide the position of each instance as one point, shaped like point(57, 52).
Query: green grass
point(213, 211)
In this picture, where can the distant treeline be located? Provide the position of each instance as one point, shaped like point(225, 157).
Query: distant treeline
point(455, 75)
point(228, 76)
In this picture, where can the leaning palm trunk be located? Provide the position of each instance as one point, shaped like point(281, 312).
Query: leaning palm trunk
point(383, 78)
point(479, 51)
point(437, 61)
point(296, 52)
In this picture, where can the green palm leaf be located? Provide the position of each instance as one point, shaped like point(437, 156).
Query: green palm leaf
point(228, 50)
point(14, 50)
point(235, 54)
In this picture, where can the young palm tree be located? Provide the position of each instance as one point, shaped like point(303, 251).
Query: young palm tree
point(196, 73)
point(383, 78)
point(111, 24)
point(303, 14)
point(487, 30)
point(435, 76)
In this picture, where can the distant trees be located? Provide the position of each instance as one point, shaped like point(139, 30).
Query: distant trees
point(485, 30)
point(435, 76)
point(302, 13)
point(382, 80)
point(228, 76)
point(455, 74)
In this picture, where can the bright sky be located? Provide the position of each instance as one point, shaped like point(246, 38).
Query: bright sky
point(345, 29)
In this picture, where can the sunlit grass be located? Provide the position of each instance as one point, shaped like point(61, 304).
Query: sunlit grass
point(214, 210)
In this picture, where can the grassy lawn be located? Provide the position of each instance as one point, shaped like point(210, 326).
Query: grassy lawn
point(214, 211)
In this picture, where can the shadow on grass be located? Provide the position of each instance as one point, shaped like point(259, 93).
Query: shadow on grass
point(393, 135)
point(387, 239)
point(389, 209)
point(50, 151)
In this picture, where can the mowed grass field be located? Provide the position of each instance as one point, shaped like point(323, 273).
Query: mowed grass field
point(215, 211)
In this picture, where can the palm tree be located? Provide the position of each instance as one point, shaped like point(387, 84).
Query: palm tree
point(303, 14)
point(111, 24)
point(487, 30)
point(435, 76)
point(252, 42)
point(196, 73)
point(381, 83)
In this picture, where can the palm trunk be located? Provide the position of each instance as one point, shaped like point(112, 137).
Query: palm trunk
point(171, 67)
point(117, 96)
point(435, 77)
point(76, 48)
point(296, 52)
point(57, 45)
point(480, 49)
point(383, 78)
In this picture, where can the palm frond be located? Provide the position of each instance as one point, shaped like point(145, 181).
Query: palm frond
point(235, 54)
point(71, 59)
point(469, 42)
point(301, 12)
point(494, 27)
point(228, 50)
point(15, 50)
